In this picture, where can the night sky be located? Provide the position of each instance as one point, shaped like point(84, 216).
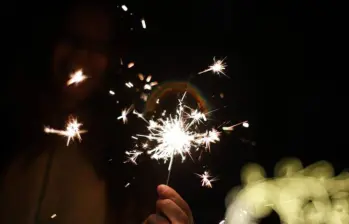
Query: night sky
point(285, 61)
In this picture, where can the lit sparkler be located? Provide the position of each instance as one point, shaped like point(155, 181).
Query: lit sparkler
point(206, 179)
point(72, 130)
point(124, 114)
point(176, 135)
point(76, 77)
point(218, 67)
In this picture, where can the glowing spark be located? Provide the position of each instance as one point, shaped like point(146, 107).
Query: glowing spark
point(148, 78)
point(176, 135)
point(154, 83)
point(147, 86)
point(130, 65)
point(221, 95)
point(72, 130)
point(124, 8)
point(132, 156)
point(143, 24)
point(157, 101)
point(218, 67)
point(128, 184)
point(111, 92)
point(206, 179)
point(121, 62)
point(141, 76)
point(134, 137)
point(210, 137)
point(129, 84)
point(197, 116)
point(139, 115)
point(231, 128)
point(76, 78)
point(124, 114)
point(222, 222)
point(53, 216)
point(144, 97)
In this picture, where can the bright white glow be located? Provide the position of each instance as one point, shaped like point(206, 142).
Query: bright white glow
point(124, 8)
point(143, 24)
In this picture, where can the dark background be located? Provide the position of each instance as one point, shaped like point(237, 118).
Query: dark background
point(285, 60)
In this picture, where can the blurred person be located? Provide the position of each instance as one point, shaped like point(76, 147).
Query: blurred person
point(49, 182)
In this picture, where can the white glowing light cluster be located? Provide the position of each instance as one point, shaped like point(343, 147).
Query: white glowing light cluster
point(148, 86)
point(177, 135)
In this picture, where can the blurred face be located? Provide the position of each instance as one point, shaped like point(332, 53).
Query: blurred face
point(84, 46)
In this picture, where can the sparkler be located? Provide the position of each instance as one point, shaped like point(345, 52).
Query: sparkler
point(177, 135)
point(218, 67)
point(206, 179)
point(76, 78)
point(72, 130)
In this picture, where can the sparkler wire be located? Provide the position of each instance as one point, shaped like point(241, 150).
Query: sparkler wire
point(44, 185)
point(169, 169)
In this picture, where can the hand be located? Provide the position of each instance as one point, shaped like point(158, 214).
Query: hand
point(170, 208)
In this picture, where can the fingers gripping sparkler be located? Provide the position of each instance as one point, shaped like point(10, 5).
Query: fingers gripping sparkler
point(177, 135)
point(72, 130)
